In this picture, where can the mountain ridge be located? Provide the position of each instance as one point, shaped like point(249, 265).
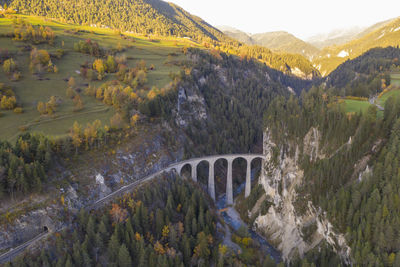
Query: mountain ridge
point(278, 41)
point(284, 41)
point(326, 51)
point(334, 37)
point(382, 34)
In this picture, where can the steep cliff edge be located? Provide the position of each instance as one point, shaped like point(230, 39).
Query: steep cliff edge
point(292, 230)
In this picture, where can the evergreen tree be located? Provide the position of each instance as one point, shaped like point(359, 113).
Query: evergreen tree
point(124, 259)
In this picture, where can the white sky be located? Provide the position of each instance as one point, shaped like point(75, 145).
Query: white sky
point(302, 18)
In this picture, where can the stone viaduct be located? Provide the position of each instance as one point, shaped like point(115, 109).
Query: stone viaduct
point(211, 161)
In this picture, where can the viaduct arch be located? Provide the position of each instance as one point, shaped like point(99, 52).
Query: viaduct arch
point(211, 161)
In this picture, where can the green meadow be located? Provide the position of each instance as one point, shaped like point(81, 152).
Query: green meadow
point(30, 90)
point(356, 105)
point(385, 96)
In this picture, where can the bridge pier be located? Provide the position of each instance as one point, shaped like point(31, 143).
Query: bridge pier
point(229, 187)
point(248, 180)
point(179, 170)
point(211, 184)
point(194, 171)
point(211, 172)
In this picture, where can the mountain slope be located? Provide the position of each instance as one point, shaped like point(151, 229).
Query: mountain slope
point(365, 75)
point(373, 28)
point(277, 41)
point(139, 16)
point(384, 36)
point(335, 37)
point(237, 34)
point(231, 120)
point(158, 18)
point(343, 36)
point(284, 41)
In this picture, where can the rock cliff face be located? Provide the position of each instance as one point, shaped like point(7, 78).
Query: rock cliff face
point(291, 230)
point(28, 226)
point(191, 106)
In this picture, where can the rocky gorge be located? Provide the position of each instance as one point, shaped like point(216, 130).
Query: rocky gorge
point(290, 230)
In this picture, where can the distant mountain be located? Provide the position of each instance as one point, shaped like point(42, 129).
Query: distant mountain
point(335, 37)
point(383, 34)
point(373, 28)
point(284, 41)
point(342, 36)
point(237, 34)
point(277, 41)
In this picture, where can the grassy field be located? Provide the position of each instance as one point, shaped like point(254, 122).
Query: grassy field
point(384, 97)
point(29, 90)
point(395, 79)
point(356, 105)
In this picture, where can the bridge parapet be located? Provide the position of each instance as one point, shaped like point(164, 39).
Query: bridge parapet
point(211, 161)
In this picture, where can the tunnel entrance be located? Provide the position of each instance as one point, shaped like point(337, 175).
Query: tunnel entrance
point(45, 229)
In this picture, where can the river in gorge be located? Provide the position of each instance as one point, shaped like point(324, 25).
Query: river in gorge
point(232, 218)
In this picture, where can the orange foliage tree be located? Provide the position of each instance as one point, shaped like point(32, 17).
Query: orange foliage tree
point(118, 214)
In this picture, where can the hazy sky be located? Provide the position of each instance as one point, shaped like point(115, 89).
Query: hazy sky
point(302, 18)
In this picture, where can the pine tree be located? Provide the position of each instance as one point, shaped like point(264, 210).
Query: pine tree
point(124, 259)
point(76, 254)
point(194, 226)
point(186, 250)
point(113, 248)
point(142, 257)
point(159, 222)
point(172, 237)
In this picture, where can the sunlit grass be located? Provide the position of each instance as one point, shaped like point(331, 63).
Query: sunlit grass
point(29, 90)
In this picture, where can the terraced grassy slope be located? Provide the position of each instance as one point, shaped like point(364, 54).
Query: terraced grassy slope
point(30, 89)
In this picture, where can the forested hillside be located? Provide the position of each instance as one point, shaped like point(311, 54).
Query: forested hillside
point(166, 222)
point(365, 75)
point(288, 63)
point(138, 16)
point(356, 182)
point(23, 166)
point(236, 93)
